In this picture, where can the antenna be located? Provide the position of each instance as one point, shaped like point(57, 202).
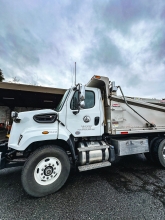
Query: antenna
point(72, 75)
point(75, 73)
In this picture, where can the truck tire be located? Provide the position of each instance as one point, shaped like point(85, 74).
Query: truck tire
point(45, 171)
point(149, 155)
point(158, 152)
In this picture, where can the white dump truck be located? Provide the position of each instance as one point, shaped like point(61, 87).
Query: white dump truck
point(91, 127)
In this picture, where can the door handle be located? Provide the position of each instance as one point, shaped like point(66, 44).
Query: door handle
point(96, 120)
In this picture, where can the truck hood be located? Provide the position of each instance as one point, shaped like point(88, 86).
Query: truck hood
point(29, 127)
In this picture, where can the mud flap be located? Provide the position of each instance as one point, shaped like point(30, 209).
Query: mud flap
point(111, 153)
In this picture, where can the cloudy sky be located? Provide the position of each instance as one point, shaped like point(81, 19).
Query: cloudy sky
point(122, 39)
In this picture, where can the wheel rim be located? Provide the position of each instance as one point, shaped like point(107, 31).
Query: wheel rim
point(47, 170)
point(163, 152)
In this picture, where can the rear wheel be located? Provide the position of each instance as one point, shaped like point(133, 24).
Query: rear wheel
point(149, 155)
point(45, 171)
point(158, 151)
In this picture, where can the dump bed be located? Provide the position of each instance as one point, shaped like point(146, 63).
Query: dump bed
point(127, 115)
point(142, 117)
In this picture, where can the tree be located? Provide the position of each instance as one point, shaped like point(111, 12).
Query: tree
point(15, 79)
point(1, 76)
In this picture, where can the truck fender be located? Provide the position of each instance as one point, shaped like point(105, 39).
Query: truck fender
point(71, 144)
point(30, 136)
point(69, 138)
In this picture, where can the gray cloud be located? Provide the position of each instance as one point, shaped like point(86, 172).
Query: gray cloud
point(103, 52)
point(121, 15)
point(121, 39)
point(132, 80)
point(158, 45)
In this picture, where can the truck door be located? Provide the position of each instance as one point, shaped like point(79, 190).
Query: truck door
point(87, 122)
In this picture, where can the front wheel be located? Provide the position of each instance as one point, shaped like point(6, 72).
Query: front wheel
point(45, 171)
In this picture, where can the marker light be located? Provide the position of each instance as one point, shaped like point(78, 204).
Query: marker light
point(45, 132)
point(124, 132)
point(97, 77)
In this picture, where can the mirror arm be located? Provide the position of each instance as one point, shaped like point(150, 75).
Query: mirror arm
point(76, 112)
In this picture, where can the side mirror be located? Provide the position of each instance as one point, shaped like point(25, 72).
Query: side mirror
point(82, 104)
point(82, 93)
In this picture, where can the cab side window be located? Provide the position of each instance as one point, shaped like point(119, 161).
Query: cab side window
point(89, 100)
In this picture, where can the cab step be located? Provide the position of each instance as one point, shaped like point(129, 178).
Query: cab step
point(94, 166)
point(91, 148)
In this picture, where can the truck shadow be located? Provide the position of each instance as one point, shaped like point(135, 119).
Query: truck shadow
point(131, 174)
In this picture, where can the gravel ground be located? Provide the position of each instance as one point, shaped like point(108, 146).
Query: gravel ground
point(131, 189)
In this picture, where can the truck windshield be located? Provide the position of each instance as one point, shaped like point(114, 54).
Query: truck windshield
point(60, 105)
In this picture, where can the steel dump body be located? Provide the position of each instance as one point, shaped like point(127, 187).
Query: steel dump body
point(123, 118)
point(120, 116)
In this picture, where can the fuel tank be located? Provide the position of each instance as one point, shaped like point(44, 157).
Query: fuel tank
point(93, 152)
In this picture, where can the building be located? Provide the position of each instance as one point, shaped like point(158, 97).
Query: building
point(21, 97)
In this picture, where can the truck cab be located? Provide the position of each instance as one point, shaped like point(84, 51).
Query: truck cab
point(67, 119)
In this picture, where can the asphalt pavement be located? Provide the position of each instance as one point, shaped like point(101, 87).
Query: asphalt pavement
point(131, 189)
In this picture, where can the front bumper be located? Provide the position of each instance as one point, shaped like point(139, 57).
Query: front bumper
point(8, 158)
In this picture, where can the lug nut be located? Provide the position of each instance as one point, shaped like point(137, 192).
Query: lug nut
point(41, 173)
point(43, 176)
